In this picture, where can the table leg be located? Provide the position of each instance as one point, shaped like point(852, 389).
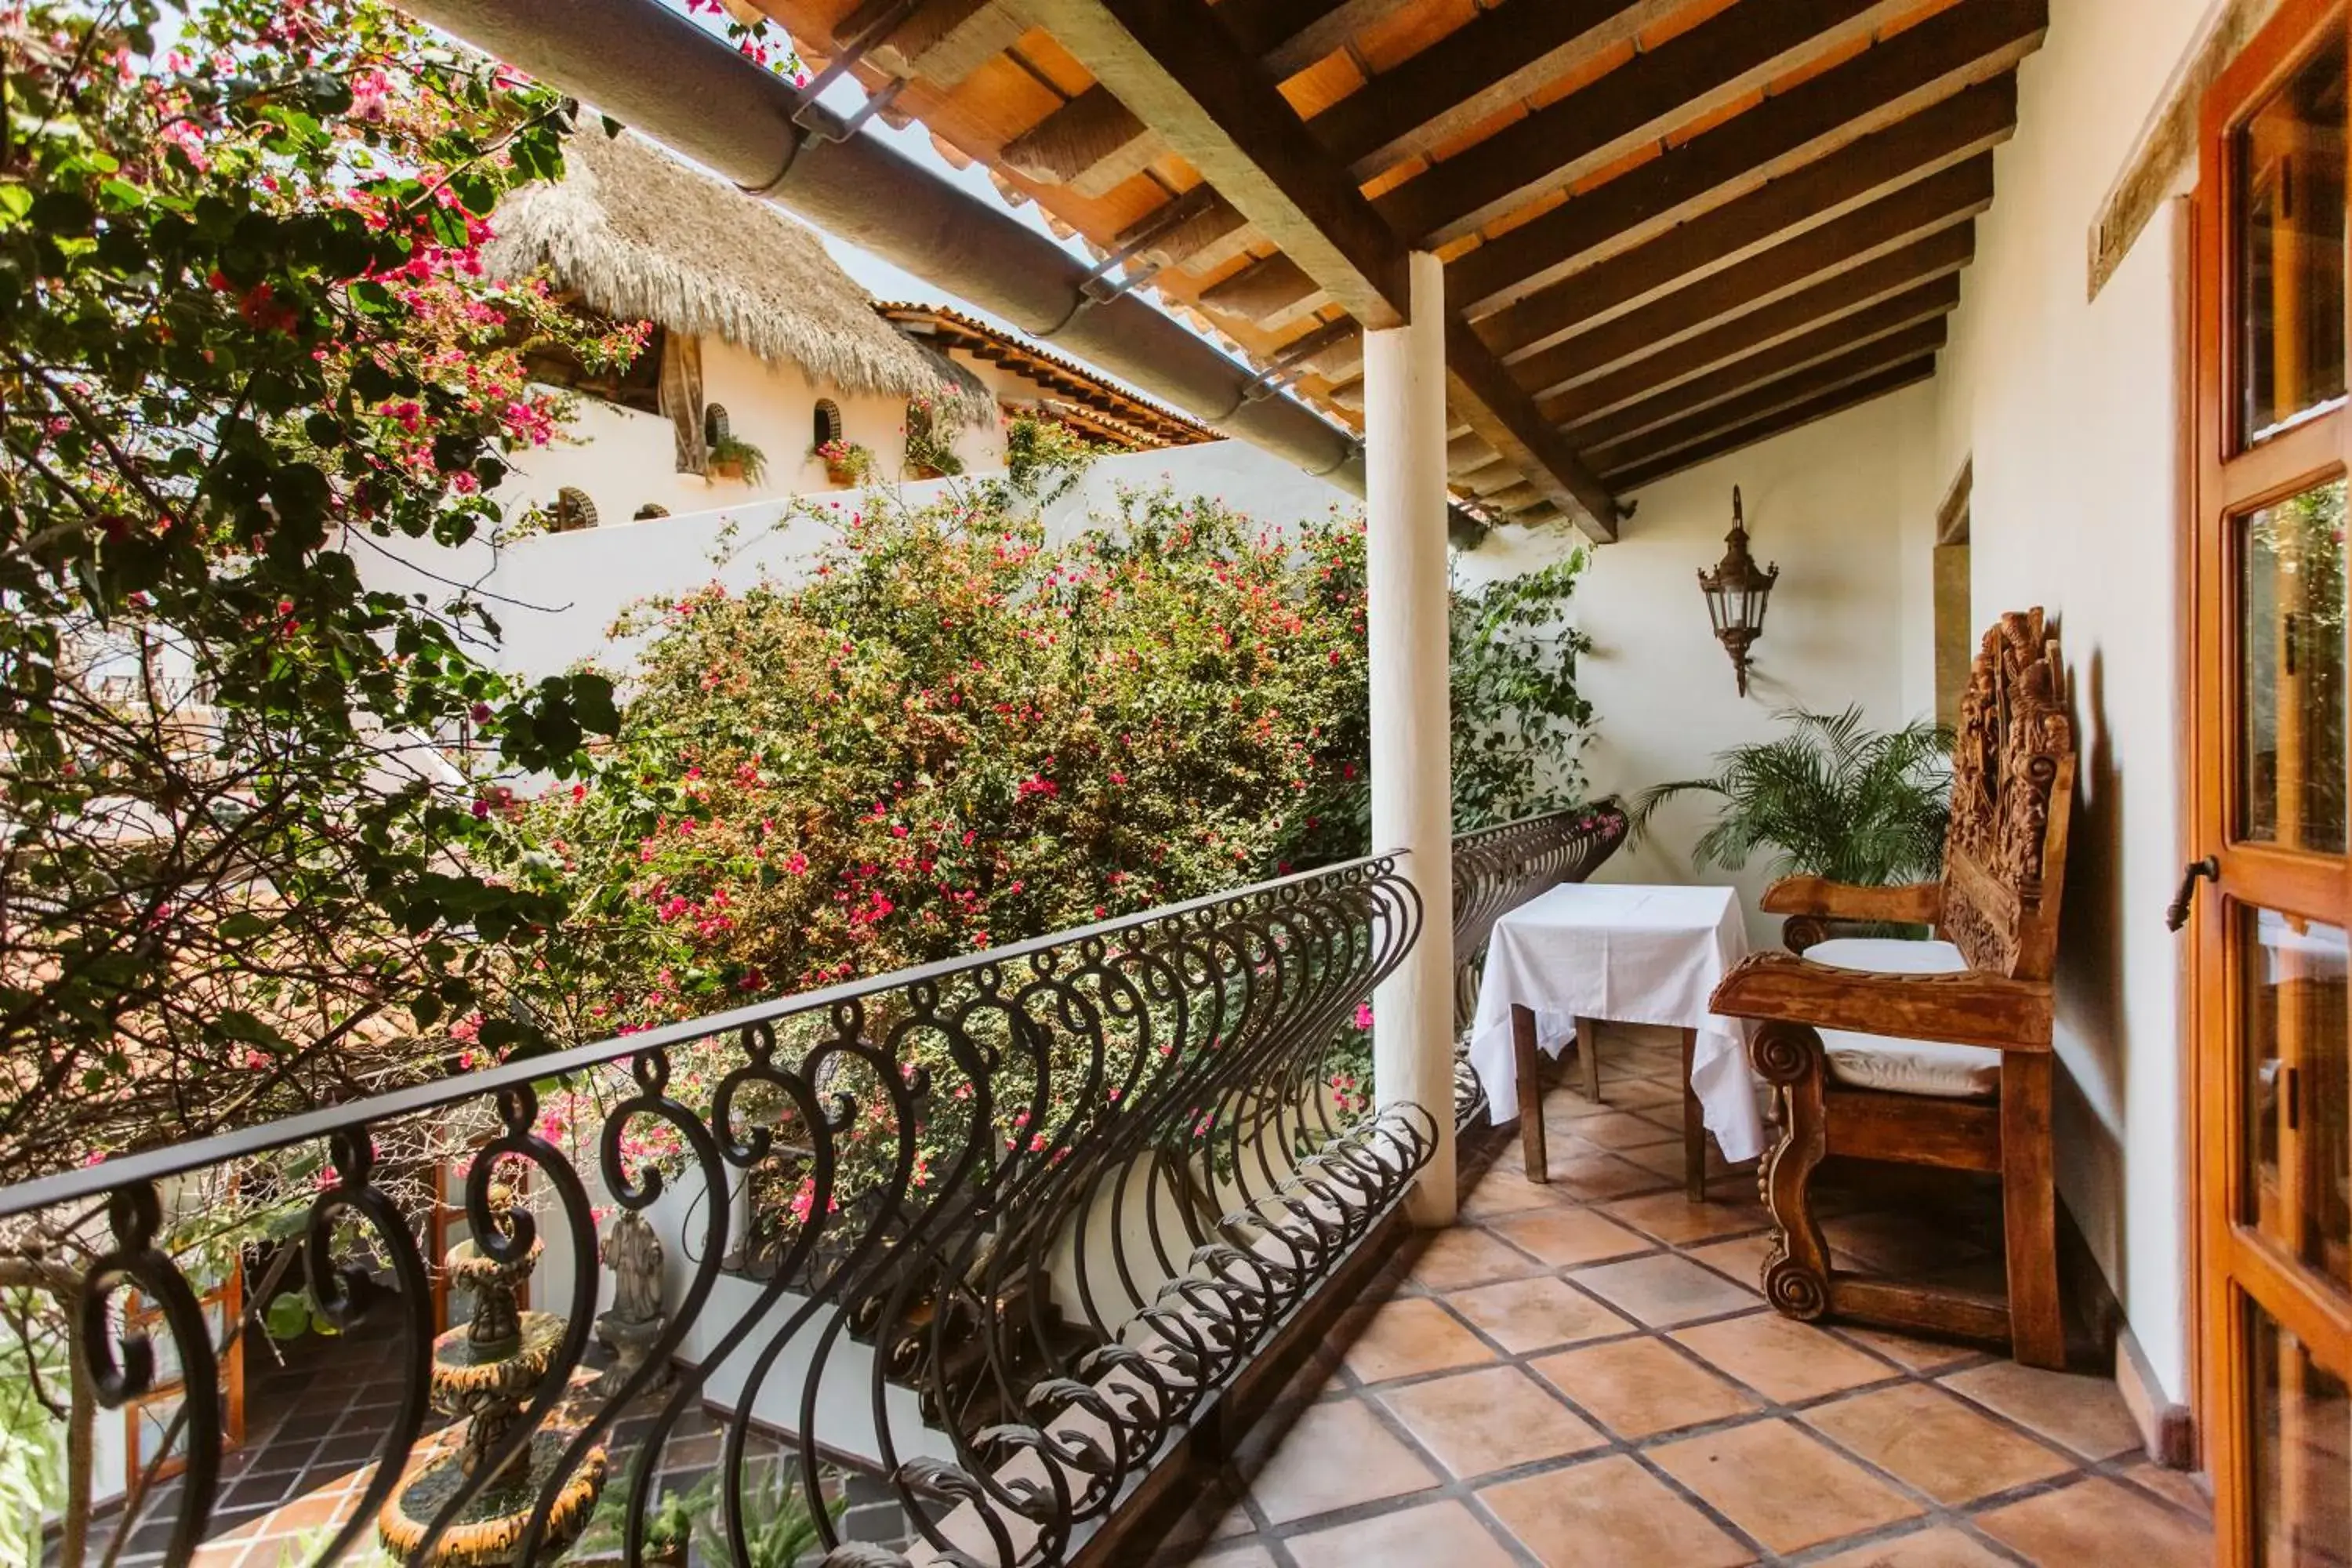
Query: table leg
point(1527, 1065)
point(1588, 1046)
point(1693, 1127)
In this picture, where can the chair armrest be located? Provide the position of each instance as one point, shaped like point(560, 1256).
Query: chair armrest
point(1966, 1008)
point(1922, 904)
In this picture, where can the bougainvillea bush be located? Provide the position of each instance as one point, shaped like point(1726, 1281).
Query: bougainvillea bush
point(953, 734)
point(244, 335)
point(244, 339)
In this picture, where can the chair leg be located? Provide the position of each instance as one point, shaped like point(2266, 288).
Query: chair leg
point(1693, 1127)
point(1527, 1065)
point(2029, 1199)
point(1588, 1048)
point(1796, 1276)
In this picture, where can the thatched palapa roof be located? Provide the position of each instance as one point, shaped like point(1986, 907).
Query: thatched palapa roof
point(637, 235)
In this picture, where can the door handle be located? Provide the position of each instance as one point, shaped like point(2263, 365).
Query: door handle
point(2176, 914)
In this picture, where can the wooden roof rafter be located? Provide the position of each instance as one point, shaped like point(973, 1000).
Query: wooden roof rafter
point(1180, 70)
point(945, 328)
point(1643, 204)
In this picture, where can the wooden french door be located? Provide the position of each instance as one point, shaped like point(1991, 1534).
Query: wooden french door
point(2269, 803)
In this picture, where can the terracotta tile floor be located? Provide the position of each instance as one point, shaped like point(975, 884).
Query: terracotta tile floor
point(1583, 1372)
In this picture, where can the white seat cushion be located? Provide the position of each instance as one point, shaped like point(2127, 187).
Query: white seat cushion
point(1904, 1067)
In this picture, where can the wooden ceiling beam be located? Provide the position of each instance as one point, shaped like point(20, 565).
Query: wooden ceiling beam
point(1202, 242)
point(1902, 329)
point(944, 40)
point(1499, 408)
point(1180, 72)
point(1184, 75)
point(1467, 454)
point(1759, 403)
point(1777, 424)
point(1939, 208)
point(1094, 143)
point(1332, 348)
point(1519, 279)
point(1477, 71)
point(1288, 36)
point(1343, 361)
point(1091, 144)
point(1974, 42)
point(1495, 478)
point(1713, 352)
point(1272, 293)
point(1639, 103)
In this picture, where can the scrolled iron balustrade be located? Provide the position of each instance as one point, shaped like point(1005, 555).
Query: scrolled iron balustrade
point(994, 1229)
point(1495, 869)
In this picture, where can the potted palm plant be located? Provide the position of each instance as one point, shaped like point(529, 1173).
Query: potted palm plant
point(1832, 798)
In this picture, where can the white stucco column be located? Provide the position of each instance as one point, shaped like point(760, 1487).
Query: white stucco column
point(1413, 791)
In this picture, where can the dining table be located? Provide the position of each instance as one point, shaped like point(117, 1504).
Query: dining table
point(1584, 952)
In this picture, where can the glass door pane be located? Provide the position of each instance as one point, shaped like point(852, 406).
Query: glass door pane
point(2301, 1422)
point(2269, 782)
point(2290, 242)
point(2291, 752)
point(2297, 1182)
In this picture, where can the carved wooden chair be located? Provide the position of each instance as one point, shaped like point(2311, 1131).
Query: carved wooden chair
point(1932, 1053)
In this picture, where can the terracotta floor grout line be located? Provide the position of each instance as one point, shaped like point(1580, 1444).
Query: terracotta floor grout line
point(2112, 1469)
point(1462, 1487)
point(1932, 1514)
point(1792, 1414)
point(1901, 1528)
point(1614, 1445)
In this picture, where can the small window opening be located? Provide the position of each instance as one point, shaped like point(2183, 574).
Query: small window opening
point(826, 426)
point(714, 424)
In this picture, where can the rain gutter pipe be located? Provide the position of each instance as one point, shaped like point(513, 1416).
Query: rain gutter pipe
point(654, 70)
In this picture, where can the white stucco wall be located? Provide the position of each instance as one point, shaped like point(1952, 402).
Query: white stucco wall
point(2071, 410)
point(555, 595)
point(624, 459)
point(1828, 504)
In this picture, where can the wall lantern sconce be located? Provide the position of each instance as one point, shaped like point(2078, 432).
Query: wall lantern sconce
point(1736, 593)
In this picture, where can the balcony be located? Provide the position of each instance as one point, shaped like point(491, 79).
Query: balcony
point(1583, 1371)
point(965, 1264)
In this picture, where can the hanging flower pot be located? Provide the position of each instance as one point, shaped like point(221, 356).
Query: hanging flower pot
point(734, 459)
point(846, 462)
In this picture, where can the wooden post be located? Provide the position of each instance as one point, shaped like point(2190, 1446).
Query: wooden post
point(1413, 793)
point(1526, 1065)
point(1693, 1127)
point(1588, 1050)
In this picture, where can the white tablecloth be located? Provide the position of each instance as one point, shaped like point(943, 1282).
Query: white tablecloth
point(1631, 955)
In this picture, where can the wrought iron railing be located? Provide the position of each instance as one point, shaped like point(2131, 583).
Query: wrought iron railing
point(989, 1232)
point(1495, 869)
